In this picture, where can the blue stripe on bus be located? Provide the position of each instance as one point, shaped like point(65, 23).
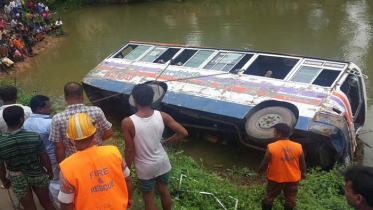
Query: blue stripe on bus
point(224, 108)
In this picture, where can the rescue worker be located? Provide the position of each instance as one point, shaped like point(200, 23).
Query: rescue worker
point(285, 165)
point(95, 177)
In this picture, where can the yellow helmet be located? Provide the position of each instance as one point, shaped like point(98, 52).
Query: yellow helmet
point(80, 126)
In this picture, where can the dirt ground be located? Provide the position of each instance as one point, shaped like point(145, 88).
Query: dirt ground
point(6, 204)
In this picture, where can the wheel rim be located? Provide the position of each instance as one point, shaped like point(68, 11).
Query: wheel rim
point(269, 120)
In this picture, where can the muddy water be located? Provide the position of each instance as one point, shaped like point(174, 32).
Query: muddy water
point(335, 29)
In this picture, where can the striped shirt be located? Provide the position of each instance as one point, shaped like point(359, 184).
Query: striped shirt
point(21, 151)
point(59, 125)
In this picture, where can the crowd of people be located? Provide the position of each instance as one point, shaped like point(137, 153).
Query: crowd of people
point(23, 23)
point(63, 159)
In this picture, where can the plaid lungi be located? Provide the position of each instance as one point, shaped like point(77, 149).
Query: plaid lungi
point(273, 189)
point(22, 183)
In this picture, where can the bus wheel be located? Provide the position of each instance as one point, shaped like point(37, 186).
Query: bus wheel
point(259, 125)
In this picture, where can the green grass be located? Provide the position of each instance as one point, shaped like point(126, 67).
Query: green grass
point(321, 189)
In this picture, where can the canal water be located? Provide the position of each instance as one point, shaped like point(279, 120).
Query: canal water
point(335, 29)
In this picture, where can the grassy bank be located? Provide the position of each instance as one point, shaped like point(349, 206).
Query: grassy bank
point(321, 189)
point(192, 187)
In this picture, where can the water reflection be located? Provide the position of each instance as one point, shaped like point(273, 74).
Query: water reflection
point(335, 29)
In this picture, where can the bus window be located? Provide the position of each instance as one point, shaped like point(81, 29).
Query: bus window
point(224, 61)
point(137, 52)
point(316, 76)
point(125, 51)
point(153, 54)
point(278, 66)
point(183, 57)
point(198, 58)
point(166, 56)
point(326, 78)
point(306, 74)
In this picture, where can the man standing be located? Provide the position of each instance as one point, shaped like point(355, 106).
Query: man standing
point(64, 147)
point(40, 7)
point(59, 23)
point(94, 177)
point(40, 122)
point(8, 94)
point(25, 156)
point(359, 187)
point(8, 11)
point(45, 15)
point(142, 133)
point(12, 4)
point(285, 165)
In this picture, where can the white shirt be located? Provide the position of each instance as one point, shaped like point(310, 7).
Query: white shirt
point(18, 3)
point(3, 125)
point(150, 159)
point(59, 23)
point(13, 23)
point(7, 9)
point(12, 4)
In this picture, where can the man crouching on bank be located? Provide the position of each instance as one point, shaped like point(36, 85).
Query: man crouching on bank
point(94, 177)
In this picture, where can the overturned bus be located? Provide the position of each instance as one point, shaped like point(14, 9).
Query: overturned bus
point(324, 101)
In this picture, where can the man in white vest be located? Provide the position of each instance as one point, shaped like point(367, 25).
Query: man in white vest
point(142, 133)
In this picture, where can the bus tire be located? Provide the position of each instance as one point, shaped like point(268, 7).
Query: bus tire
point(259, 124)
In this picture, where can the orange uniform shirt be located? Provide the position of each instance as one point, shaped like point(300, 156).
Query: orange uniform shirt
point(284, 164)
point(18, 44)
point(97, 176)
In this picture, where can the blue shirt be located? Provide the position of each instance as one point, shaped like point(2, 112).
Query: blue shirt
point(38, 29)
point(41, 124)
point(40, 7)
point(15, 10)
